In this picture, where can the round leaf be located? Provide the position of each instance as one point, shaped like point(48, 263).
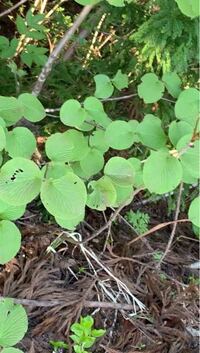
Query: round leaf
point(56, 170)
point(9, 212)
point(64, 197)
point(189, 8)
point(162, 172)
point(72, 114)
point(10, 110)
point(120, 80)
point(71, 223)
point(104, 87)
point(119, 135)
point(10, 241)
point(59, 148)
point(124, 195)
point(20, 181)
point(178, 130)
point(151, 89)
point(120, 171)
point(11, 350)
point(93, 162)
point(102, 194)
point(151, 133)
point(20, 143)
point(137, 167)
point(14, 325)
point(33, 110)
point(80, 144)
point(173, 83)
point(187, 106)
point(190, 158)
point(194, 214)
point(2, 138)
point(97, 139)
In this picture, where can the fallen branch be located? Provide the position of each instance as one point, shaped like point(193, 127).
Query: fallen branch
point(154, 229)
point(55, 53)
point(6, 12)
point(86, 303)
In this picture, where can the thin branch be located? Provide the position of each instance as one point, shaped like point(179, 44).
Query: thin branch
point(55, 53)
point(158, 227)
point(86, 303)
point(175, 224)
point(119, 98)
point(6, 12)
point(111, 220)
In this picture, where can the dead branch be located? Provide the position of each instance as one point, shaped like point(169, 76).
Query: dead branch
point(59, 47)
point(6, 12)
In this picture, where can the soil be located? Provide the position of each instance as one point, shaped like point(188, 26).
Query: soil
point(68, 280)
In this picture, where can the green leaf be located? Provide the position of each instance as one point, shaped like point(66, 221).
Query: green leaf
point(9, 212)
point(93, 162)
point(137, 167)
point(189, 8)
point(11, 350)
point(104, 87)
point(80, 144)
point(124, 195)
point(87, 2)
point(95, 111)
point(194, 214)
point(77, 329)
point(102, 194)
point(2, 138)
point(187, 106)
point(173, 83)
point(119, 135)
point(88, 342)
point(20, 181)
point(33, 110)
point(117, 3)
point(64, 197)
point(56, 170)
point(4, 42)
point(10, 241)
point(27, 58)
point(71, 223)
point(98, 333)
point(59, 148)
point(20, 143)
point(151, 133)
point(87, 322)
point(97, 139)
point(178, 130)
point(10, 110)
point(72, 114)
point(190, 158)
point(151, 89)
point(162, 172)
point(120, 80)
point(21, 25)
point(120, 171)
point(14, 325)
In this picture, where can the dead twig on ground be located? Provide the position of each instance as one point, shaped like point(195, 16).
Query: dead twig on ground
point(154, 229)
point(86, 304)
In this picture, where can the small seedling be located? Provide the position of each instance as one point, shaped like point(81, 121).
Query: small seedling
point(84, 335)
point(139, 221)
point(157, 255)
point(58, 346)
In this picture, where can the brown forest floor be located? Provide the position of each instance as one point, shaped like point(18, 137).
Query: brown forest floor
point(170, 298)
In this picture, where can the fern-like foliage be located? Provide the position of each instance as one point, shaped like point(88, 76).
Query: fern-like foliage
point(168, 39)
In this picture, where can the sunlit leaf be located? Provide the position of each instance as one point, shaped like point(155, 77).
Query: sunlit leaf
point(104, 87)
point(33, 110)
point(151, 89)
point(173, 83)
point(120, 80)
point(93, 162)
point(119, 135)
point(72, 114)
point(187, 106)
point(151, 133)
point(178, 130)
point(10, 241)
point(120, 171)
point(194, 214)
point(101, 194)
point(20, 142)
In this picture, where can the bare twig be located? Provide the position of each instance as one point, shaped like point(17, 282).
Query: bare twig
point(119, 98)
point(111, 220)
point(55, 53)
point(6, 12)
point(175, 224)
point(86, 303)
point(158, 227)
